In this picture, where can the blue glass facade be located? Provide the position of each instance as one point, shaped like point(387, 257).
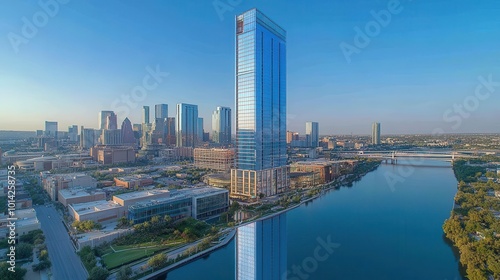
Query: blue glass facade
point(221, 125)
point(261, 252)
point(312, 134)
point(186, 125)
point(260, 92)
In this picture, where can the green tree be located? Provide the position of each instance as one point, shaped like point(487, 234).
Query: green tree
point(155, 220)
point(124, 273)
point(5, 274)
point(157, 260)
point(42, 265)
point(167, 219)
point(24, 250)
point(98, 273)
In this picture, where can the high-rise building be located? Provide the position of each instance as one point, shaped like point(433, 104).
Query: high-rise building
point(103, 118)
point(260, 107)
point(51, 129)
point(112, 137)
point(111, 121)
point(312, 134)
point(186, 125)
point(261, 250)
point(199, 130)
point(73, 133)
point(170, 135)
point(376, 133)
point(221, 125)
point(128, 137)
point(145, 114)
point(291, 136)
point(87, 138)
point(161, 111)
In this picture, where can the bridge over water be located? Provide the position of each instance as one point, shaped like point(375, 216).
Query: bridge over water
point(392, 156)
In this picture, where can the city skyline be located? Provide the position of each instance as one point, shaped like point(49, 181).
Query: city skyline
point(446, 66)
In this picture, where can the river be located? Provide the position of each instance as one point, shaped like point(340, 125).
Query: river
point(386, 226)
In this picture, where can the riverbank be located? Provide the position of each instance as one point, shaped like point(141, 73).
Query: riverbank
point(474, 223)
point(322, 190)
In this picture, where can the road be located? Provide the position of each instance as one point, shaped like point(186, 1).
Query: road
point(65, 262)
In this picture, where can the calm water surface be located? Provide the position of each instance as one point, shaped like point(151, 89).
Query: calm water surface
point(382, 230)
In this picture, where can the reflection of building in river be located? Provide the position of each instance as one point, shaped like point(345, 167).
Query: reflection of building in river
point(261, 251)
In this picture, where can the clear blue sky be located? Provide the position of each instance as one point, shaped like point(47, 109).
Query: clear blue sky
point(90, 53)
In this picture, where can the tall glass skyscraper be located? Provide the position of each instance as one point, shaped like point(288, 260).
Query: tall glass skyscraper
point(186, 127)
point(376, 133)
point(161, 112)
point(51, 129)
point(103, 119)
point(261, 250)
point(221, 125)
point(145, 114)
point(312, 134)
point(260, 107)
point(199, 130)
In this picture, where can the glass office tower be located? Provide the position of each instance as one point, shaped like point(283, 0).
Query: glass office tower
point(145, 114)
point(260, 107)
point(376, 133)
point(221, 125)
point(261, 252)
point(312, 134)
point(161, 112)
point(186, 125)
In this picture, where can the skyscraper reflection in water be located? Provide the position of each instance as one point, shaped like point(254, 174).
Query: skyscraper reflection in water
point(261, 251)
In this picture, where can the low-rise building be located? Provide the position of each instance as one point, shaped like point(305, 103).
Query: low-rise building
point(127, 199)
point(97, 211)
point(216, 159)
point(203, 203)
point(133, 181)
point(26, 222)
point(221, 180)
point(53, 183)
point(80, 195)
point(113, 154)
point(322, 171)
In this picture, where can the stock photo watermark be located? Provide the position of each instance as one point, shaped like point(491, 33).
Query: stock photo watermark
point(31, 26)
point(309, 265)
point(126, 102)
point(363, 36)
point(454, 116)
point(223, 6)
point(11, 224)
point(462, 111)
point(401, 172)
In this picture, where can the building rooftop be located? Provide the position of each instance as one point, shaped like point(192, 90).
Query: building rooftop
point(25, 213)
point(78, 192)
point(26, 222)
point(94, 206)
point(198, 191)
point(142, 194)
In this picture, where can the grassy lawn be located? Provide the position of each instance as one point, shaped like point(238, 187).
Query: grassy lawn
point(116, 259)
point(147, 244)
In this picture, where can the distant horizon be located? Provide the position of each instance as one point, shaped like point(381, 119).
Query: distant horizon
point(324, 135)
point(416, 67)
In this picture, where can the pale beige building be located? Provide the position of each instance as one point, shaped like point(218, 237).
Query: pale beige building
point(80, 195)
point(216, 159)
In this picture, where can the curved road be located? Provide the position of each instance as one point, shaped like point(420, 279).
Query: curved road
point(65, 262)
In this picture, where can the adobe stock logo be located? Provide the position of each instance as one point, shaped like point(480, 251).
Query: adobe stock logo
point(470, 104)
point(372, 29)
point(30, 28)
point(310, 264)
point(223, 6)
point(150, 82)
